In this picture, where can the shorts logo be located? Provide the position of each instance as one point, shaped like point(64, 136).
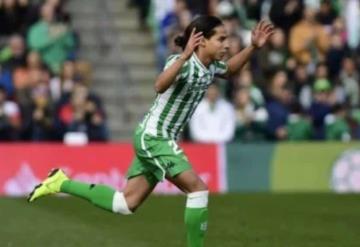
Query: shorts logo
point(169, 165)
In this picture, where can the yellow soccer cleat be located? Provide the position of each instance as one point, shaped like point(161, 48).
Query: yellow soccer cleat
point(50, 185)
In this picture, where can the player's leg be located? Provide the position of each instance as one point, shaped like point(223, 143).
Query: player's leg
point(169, 178)
point(196, 212)
point(126, 202)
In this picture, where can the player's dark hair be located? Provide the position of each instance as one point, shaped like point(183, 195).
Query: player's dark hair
point(204, 24)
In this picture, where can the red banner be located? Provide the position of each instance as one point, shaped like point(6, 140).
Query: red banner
point(24, 165)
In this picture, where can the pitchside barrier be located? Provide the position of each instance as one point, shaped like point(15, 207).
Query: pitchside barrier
point(236, 167)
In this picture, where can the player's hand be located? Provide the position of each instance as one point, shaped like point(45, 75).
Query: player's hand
point(194, 41)
point(261, 34)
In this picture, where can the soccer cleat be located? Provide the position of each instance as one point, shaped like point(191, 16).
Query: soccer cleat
point(51, 185)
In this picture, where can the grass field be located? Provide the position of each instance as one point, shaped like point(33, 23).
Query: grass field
point(245, 220)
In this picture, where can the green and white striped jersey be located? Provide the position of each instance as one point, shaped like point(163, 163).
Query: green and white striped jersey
point(174, 108)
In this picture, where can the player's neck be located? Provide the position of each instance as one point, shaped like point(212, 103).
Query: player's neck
point(204, 59)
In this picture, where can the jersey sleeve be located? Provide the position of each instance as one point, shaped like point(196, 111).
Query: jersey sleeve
point(220, 68)
point(184, 71)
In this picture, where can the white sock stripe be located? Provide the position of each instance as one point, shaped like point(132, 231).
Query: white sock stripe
point(197, 199)
point(198, 193)
point(120, 205)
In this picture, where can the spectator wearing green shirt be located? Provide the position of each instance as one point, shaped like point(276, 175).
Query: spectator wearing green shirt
point(337, 127)
point(51, 39)
point(299, 126)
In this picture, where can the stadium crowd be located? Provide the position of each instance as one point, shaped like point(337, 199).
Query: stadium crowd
point(304, 85)
point(44, 88)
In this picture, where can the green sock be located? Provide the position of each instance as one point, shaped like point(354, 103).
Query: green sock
point(196, 225)
point(99, 195)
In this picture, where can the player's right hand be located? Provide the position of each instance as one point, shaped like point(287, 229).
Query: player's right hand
point(194, 41)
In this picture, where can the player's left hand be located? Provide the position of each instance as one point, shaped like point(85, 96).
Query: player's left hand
point(261, 34)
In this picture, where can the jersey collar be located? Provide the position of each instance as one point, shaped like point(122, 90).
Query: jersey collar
point(198, 62)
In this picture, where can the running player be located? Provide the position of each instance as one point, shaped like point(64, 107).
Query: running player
point(180, 88)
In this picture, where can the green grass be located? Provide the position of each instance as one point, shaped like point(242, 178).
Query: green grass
point(245, 220)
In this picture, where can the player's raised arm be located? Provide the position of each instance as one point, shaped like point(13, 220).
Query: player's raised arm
point(168, 76)
point(259, 37)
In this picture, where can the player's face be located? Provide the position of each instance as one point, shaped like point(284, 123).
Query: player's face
point(218, 45)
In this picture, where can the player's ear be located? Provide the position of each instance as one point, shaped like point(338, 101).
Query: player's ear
point(203, 42)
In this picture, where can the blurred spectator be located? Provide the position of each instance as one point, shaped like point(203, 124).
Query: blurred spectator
point(253, 9)
point(177, 18)
point(327, 13)
point(32, 13)
point(321, 71)
point(334, 56)
point(245, 80)
point(352, 16)
point(199, 7)
point(321, 106)
point(354, 116)
point(350, 80)
point(6, 81)
point(37, 77)
point(285, 13)
point(225, 9)
point(337, 92)
point(12, 13)
point(22, 76)
point(250, 118)
point(308, 40)
point(83, 113)
point(214, 119)
point(278, 106)
point(299, 126)
point(10, 119)
point(339, 28)
point(53, 40)
point(11, 56)
point(64, 83)
point(232, 26)
point(14, 54)
point(273, 56)
point(42, 113)
point(235, 45)
point(337, 127)
point(60, 14)
point(302, 86)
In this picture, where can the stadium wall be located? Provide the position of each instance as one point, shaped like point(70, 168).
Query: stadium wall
point(294, 167)
point(22, 166)
point(285, 167)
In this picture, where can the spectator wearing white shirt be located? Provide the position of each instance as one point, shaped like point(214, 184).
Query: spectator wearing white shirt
point(214, 119)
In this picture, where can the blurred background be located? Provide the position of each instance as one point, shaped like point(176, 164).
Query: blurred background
point(80, 72)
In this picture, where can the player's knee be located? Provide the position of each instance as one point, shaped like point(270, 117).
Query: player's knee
point(121, 204)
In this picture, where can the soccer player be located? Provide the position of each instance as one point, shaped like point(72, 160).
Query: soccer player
point(180, 88)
